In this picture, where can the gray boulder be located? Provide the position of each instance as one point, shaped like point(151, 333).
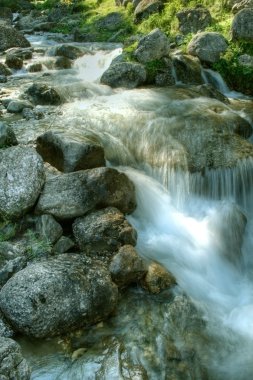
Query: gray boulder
point(153, 46)
point(21, 177)
point(13, 62)
point(69, 51)
point(10, 37)
point(194, 20)
point(111, 22)
point(187, 69)
point(246, 60)
point(71, 195)
point(5, 329)
point(12, 364)
point(103, 232)
point(16, 106)
point(41, 93)
point(124, 74)
point(67, 154)
point(127, 266)
point(48, 229)
point(207, 46)
point(147, 7)
point(58, 295)
point(63, 245)
point(7, 136)
point(242, 25)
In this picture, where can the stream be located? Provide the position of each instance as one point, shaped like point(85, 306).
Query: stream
point(196, 224)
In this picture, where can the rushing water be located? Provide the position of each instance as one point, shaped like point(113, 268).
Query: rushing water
point(197, 225)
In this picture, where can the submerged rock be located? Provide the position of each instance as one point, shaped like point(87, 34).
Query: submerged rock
point(103, 232)
point(58, 295)
point(12, 364)
point(10, 37)
point(21, 177)
point(69, 51)
point(124, 74)
point(68, 154)
point(207, 46)
point(71, 195)
point(41, 93)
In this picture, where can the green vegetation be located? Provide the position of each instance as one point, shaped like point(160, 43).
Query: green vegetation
point(7, 230)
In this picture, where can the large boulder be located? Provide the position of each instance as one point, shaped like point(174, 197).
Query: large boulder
point(71, 195)
point(21, 177)
point(12, 364)
point(7, 136)
point(68, 154)
point(187, 69)
point(10, 37)
point(41, 93)
point(124, 74)
point(58, 295)
point(147, 7)
point(194, 20)
point(207, 46)
point(103, 232)
point(242, 25)
point(153, 46)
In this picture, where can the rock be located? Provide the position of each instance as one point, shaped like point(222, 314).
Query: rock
point(103, 232)
point(34, 67)
point(194, 20)
point(59, 11)
point(3, 79)
point(209, 91)
point(165, 76)
point(48, 229)
point(10, 37)
point(7, 136)
point(6, 14)
point(31, 20)
point(127, 267)
point(147, 7)
point(63, 63)
point(44, 26)
point(124, 74)
point(242, 25)
point(187, 69)
point(71, 195)
point(12, 364)
point(111, 22)
point(207, 46)
point(34, 113)
point(241, 5)
point(153, 46)
point(13, 62)
point(21, 178)
point(63, 245)
point(58, 295)
point(11, 267)
point(69, 51)
point(246, 60)
point(16, 106)
point(157, 279)
point(5, 330)
point(4, 70)
point(22, 53)
point(41, 93)
point(68, 154)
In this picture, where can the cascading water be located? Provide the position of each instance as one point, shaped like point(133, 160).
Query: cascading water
point(194, 219)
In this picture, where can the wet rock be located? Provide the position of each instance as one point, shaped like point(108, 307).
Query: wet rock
point(147, 7)
point(111, 22)
point(153, 46)
point(7, 136)
point(41, 93)
point(241, 5)
point(34, 67)
point(21, 177)
point(127, 266)
point(22, 53)
point(71, 195)
point(63, 63)
point(10, 37)
point(3, 79)
point(69, 155)
point(103, 232)
point(124, 74)
point(6, 14)
point(48, 229)
point(13, 62)
point(16, 106)
point(211, 92)
point(187, 69)
point(207, 46)
point(5, 329)
point(242, 25)
point(157, 279)
point(4, 70)
point(194, 20)
point(12, 364)
point(63, 245)
point(69, 51)
point(35, 113)
point(58, 295)
point(44, 26)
